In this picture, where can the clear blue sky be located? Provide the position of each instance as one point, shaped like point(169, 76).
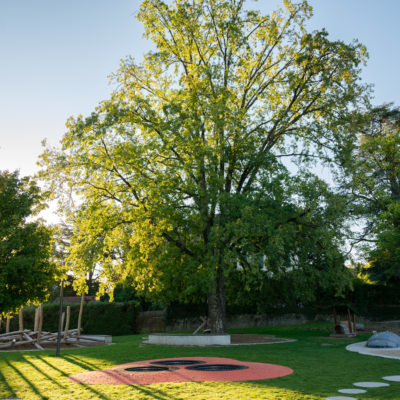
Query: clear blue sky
point(56, 56)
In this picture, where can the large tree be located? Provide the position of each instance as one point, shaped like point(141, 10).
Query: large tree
point(179, 175)
point(26, 270)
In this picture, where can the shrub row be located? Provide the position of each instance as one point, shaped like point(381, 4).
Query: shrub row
point(97, 318)
point(380, 312)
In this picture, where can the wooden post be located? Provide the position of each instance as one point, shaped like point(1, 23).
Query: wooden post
point(40, 312)
point(67, 324)
point(36, 324)
point(21, 322)
point(8, 325)
point(349, 321)
point(80, 317)
point(60, 322)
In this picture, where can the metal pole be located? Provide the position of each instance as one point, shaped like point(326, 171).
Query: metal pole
point(60, 321)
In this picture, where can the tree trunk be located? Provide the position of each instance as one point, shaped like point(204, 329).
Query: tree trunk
point(216, 305)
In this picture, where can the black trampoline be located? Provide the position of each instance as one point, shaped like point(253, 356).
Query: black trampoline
point(178, 362)
point(217, 367)
point(147, 368)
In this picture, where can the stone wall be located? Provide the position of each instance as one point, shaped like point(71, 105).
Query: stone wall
point(151, 322)
point(155, 321)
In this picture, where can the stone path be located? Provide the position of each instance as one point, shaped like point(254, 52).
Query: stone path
point(392, 378)
point(352, 391)
point(361, 347)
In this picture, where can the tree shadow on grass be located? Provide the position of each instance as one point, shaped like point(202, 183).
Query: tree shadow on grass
point(42, 372)
point(154, 393)
point(86, 387)
point(144, 389)
point(82, 363)
point(30, 384)
point(9, 389)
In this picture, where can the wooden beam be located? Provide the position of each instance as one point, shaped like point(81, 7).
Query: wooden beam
point(36, 324)
point(80, 315)
point(349, 321)
point(21, 321)
point(33, 341)
point(15, 333)
point(40, 322)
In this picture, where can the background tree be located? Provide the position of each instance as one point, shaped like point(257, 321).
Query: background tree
point(180, 173)
point(309, 265)
point(26, 271)
point(374, 179)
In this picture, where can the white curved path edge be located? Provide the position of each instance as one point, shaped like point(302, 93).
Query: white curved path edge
point(361, 347)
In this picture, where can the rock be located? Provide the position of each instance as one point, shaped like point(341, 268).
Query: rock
point(384, 340)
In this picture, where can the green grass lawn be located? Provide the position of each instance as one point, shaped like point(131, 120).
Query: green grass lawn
point(319, 370)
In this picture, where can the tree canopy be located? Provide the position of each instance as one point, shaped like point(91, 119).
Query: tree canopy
point(179, 175)
point(26, 270)
point(374, 180)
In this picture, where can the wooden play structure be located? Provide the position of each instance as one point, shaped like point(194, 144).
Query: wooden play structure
point(203, 326)
point(347, 328)
point(39, 338)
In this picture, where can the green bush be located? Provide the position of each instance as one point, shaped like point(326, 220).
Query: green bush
point(97, 318)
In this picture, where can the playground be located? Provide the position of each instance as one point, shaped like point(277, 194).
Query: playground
point(321, 367)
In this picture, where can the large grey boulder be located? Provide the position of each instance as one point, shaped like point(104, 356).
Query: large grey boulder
point(384, 340)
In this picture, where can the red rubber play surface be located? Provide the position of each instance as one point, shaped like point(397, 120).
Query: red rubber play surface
point(118, 376)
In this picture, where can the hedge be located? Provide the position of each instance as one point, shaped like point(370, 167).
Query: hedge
point(379, 312)
point(97, 318)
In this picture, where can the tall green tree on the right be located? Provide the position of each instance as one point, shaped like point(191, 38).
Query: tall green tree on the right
point(375, 187)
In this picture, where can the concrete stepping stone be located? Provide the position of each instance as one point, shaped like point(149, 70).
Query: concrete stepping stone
point(340, 398)
point(371, 384)
point(352, 391)
point(393, 378)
